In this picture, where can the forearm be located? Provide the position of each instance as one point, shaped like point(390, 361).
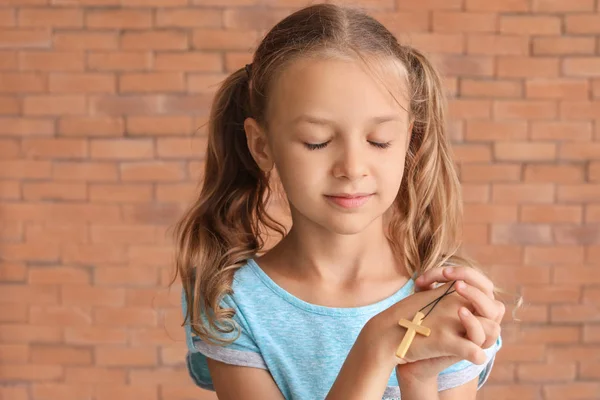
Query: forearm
point(418, 390)
point(362, 377)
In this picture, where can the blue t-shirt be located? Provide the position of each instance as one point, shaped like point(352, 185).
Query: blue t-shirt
point(302, 345)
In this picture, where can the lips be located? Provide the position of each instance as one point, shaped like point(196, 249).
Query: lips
point(350, 201)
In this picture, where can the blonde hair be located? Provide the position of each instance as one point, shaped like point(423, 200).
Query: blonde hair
point(223, 228)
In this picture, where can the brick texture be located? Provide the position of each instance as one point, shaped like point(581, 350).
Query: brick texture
point(102, 112)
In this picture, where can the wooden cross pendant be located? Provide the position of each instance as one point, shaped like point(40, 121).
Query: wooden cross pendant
point(413, 327)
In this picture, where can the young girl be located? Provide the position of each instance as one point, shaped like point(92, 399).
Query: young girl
point(352, 122)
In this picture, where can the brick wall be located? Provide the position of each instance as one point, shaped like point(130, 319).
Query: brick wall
point(100, 101)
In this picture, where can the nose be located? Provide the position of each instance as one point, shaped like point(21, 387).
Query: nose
point(351, 162)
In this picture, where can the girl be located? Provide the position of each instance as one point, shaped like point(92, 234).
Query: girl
point(352, 122)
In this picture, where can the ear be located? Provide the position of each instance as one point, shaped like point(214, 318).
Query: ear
point(258, 144)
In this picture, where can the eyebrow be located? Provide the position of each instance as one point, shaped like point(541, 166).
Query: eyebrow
point(324, 121)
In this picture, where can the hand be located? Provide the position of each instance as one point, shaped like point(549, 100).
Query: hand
point(482, 328)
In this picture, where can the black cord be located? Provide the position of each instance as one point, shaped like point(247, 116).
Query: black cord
point(436, 301)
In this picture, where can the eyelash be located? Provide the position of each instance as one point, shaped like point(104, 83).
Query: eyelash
point(318, 146)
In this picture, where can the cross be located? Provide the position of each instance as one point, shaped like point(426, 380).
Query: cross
point(413, 328)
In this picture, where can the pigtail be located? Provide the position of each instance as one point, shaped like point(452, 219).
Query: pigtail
point(223, 227)
point(429, 201)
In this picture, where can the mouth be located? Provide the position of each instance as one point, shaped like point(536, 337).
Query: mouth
point(346, 200)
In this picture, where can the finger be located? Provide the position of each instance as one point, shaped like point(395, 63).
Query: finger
point(492, 331)
point(469, 351)
point(484, 306)
point(474, 329)
point(429, 278)
point(472, 277)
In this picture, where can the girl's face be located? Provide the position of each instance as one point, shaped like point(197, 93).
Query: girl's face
point(335, 130)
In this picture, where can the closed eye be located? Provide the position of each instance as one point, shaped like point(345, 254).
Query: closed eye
point(318, 146)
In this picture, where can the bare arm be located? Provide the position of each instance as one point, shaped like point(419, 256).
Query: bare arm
point(233, 382)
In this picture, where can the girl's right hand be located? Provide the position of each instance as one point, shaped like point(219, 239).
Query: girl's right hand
point(382, 334)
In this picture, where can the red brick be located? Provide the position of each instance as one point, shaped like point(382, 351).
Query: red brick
point(485, 213)
point(146, 392)
point(58, 275)
point(54, 191)
point(561, 130)
point(576, 276)
point(54, 105)
point(146, 297)
point(505, 193)
point(460, 65)
point(553, 255)
point(160, 214)
point(579, 193)
point(124, 105)
point(576, 390)
point(154, 3)
point(592, 213)
point(495, 130)
point(137, 276)
point(579, 110)
point(22, 127)
point(13, 313)
point(131, 149)
point(150, 255)
point(519, 67)
point(531, 372)
point(562, 45)
point(85, 295)
point(12, 272)
point(563, 6)
point(594, 171)
point(118, 19)
point(497, 45)
point(24, 169)
point(188, 61)
point(89, 171)
point(490, 89)
point(30, 294)
point(13, 353)
point(51, 61)
point(10, 149)
point(159, 125)
point(221, 39)
point(524, 151)
point(553, 294)
point(26, 333)
point(129, 316)
point(236, 60)
point(570, 353)
point(575, 313)
point(189, 18)
point(582, 24)
point(120, 193)
point(55, 148)
point(60, 316)
point(588, 234)
point(82, 83)
point(490, 173)
point(542, 173)
point(154, 40)
point(430, 42)
point(131, 234)
point(22, 82)
point(10, 105)
point(126, 356)
point(85, 40)
point(152, 172)
point(30, 372)
point(172, 356)
point(523, 352)
point(63, 213)
point(95, 375)
point(7, 17)
point(51, 391)
point(119, 61)
point(473, 193)
point(63, 355)
point(91, 126)
point(178, 192)
point(159, 376)
point(8, 60)
point(259, 19)
point(581, 66)
point(579, 151)
point(181, 148)
point(50, 17)
point(550, 335)
point(531, 109)
point(151, 82)
point(95, 335)
point(398, 23)
point(588, 370)
point(25, 38)
point(499, 6)
point(521, 234)
point(451, 22)
point(96, 253)
point(530, 25)
point(570, 89)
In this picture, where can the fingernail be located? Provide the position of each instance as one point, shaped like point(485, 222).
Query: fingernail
point(460, 285)
point(449, 270)
point(464, 312)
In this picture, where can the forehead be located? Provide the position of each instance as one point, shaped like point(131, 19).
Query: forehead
point(336, 88)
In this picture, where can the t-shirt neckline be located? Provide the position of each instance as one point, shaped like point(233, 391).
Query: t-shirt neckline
point(381, 305)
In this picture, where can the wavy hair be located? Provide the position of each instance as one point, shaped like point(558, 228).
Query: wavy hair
point(224, 227)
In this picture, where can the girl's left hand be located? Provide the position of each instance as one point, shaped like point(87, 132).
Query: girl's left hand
point(482, 324)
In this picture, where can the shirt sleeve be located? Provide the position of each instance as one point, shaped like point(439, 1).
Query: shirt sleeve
point(464, 371)
point(243, 351)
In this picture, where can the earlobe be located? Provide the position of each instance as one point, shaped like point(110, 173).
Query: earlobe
point(258, 144)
